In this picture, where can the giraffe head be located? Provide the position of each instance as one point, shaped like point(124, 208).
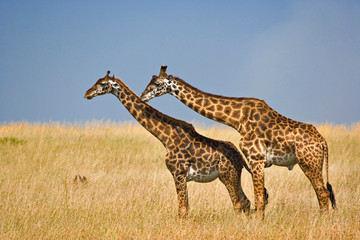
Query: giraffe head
point(103, 86)
point(159, 85)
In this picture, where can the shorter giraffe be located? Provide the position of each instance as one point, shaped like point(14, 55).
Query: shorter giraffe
point(189, 155)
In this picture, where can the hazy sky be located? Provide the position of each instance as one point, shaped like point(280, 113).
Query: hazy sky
point(302, 57)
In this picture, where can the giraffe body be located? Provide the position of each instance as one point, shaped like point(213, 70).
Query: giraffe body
point(189, 155)
point(266, 137)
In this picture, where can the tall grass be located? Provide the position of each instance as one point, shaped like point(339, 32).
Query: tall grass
point(129, 193)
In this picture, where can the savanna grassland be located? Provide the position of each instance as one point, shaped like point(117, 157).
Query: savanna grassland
point(129, 193)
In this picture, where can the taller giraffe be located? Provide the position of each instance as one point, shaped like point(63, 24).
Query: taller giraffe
point(189, 155)
point(266, 137)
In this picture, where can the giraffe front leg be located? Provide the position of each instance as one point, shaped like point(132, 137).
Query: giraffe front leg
point(181, 190)
point(257, 169)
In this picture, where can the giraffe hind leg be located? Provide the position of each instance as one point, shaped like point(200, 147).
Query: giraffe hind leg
point(318, 185)
point(230, 176)
point(310, 161)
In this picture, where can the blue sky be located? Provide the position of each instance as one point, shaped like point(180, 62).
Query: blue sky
point(302, 57)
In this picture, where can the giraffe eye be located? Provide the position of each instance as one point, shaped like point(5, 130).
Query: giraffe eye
point(102, 84)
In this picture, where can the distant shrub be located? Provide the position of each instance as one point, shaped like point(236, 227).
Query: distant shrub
point(11, 140)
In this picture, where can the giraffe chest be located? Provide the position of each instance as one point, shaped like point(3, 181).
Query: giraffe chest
point(203, 175)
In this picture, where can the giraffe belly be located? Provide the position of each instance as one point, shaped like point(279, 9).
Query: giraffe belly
point(284, 160)
point(202, 176)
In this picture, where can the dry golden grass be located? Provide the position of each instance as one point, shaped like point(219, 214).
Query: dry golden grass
point(130, 194)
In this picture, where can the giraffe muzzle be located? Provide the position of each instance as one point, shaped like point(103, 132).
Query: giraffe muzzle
point(144, 98)
point(88, 96)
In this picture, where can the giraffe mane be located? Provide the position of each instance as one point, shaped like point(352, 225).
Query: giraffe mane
point(213, 95)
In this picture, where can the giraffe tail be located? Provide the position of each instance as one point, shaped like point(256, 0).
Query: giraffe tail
point(328, 185)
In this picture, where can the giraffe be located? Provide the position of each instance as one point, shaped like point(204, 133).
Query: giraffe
point(189, 155)
point(266, 137)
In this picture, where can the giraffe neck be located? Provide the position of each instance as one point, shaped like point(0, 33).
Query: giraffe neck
point(155, 122)
point(222, 109)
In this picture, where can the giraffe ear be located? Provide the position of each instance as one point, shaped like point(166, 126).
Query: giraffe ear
point(163, 71)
